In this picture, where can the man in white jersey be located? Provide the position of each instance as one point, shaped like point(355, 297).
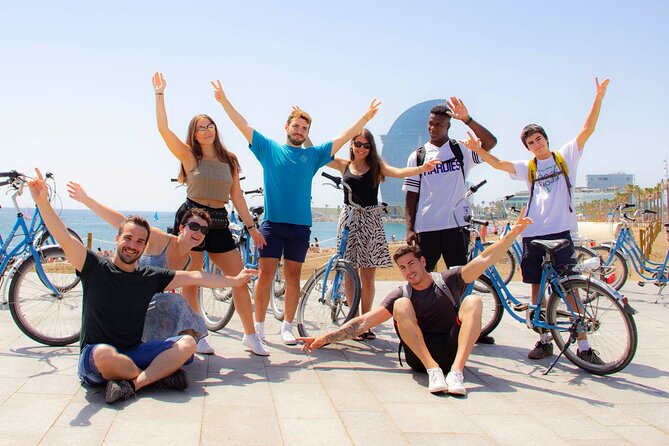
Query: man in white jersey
point(549, 177)
point(432, 196)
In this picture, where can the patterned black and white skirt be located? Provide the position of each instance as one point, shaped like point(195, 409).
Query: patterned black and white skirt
point(367, 246)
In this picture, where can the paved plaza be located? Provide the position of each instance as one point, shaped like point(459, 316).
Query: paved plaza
point(350, 393)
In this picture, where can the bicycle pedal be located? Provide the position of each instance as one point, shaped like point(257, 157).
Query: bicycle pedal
point(640, 283)
point(521, 307)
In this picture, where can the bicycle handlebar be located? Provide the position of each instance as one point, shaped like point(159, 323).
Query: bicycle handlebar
point(334, 179)
point(470, 219)
point(5, 183)
point(259, 191)
point(477, 186)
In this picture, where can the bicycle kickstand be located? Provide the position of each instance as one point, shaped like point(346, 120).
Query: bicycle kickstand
point(571, 340)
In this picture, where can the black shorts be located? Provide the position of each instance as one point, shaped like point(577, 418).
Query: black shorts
point(452, 244)
point(442, 346)
point(289, 240)
point(530, 264)
point(216, 241)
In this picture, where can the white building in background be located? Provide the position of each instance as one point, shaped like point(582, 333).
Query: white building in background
point(609, 180)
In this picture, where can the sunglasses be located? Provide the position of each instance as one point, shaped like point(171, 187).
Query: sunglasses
point(193, 226)
point(364, 145)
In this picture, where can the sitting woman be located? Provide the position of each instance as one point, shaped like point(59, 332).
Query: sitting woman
point(169, 314)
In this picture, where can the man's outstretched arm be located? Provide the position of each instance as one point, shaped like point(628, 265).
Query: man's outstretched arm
point(591, 121)
point(74, 250)
point(475, 145)
point(236, 118)
point(460, 112)
point(349, 330)
point(355, 128)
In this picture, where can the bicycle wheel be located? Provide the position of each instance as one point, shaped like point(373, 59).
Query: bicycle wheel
point(610, 330)
point(45, 238)
point(278, 294)
point(615, 272)
point(493, 311)
point(216, 304)
point(582, 254)
point(506, 266)
point(318, 314)
point(50, 318)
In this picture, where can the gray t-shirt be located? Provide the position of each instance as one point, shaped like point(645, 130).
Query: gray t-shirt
point(434, 310)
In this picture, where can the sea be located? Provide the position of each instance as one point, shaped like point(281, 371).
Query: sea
point(102, 234)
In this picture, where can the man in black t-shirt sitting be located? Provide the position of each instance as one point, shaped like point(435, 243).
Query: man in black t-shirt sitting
point(115, 300)
point(437, 327)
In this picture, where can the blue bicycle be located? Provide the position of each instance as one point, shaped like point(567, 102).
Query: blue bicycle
point(616, 256)
point(45, 294)
point(571, 306)
point(331, 295)
point(216, 305)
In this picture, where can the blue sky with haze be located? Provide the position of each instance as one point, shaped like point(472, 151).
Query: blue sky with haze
point(77, 100)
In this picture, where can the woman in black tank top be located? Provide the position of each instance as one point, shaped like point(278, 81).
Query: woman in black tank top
point(367, 248)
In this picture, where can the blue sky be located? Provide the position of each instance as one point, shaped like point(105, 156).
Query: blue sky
point(75, 82)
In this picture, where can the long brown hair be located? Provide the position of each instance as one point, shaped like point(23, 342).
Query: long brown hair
point(373, 159)
point(223, 154)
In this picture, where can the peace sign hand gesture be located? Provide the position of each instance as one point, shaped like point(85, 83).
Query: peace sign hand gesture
point(219, 94)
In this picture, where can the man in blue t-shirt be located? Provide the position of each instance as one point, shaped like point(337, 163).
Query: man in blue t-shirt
point(116, 295)
point(288, 170)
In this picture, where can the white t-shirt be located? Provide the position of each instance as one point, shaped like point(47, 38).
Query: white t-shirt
point(550, 203)
point(440, 189)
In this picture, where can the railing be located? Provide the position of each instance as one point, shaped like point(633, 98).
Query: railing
point(647, 237)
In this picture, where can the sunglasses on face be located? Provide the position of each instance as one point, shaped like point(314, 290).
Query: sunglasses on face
point(193, 226)
point(364, 145)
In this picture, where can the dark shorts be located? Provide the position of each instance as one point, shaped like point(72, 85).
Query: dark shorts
point(142, 356)
point(452, 244)
point(442, 346)
point(530, 264)
point(284, 238)
point(218, 240)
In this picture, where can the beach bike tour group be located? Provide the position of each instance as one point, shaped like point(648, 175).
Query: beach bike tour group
point(136, 331)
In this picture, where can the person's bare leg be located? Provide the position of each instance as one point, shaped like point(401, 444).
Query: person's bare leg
point(190, 293)
point(263, 286)
point(291, 273)
point(231, 264)
point(470, 330)
point(408, 328)
point(367, 276)
point(113, 365)
point(167, 362)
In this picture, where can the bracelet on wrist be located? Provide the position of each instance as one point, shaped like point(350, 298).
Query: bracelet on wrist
point(160, 94)
point(249, 227)
point(470, 119)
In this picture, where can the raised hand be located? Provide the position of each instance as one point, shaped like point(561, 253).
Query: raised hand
point(76, 192)
point(459, 110)
point(38, 187)
point(159, 82)
point(472, 143)
point(219, 94)
point(372, 110)
point(522, 221)
point(601, 88)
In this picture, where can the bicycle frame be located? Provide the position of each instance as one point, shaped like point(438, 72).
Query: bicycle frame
point(627, 245)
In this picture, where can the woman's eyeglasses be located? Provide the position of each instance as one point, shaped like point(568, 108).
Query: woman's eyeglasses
point(194, 226)
point(202, 129)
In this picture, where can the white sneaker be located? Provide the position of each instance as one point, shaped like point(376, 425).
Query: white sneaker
point(436, 382)
point(204, 348)
point(260, 330)
point(455, 381)
point(252, 342)
point(287, 334)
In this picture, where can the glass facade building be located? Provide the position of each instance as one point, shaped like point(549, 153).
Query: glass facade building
point(408, 132)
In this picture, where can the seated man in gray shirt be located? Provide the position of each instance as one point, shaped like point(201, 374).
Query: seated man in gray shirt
point(437, 327)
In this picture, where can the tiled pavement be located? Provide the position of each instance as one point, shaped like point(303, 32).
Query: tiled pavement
point(351, 393)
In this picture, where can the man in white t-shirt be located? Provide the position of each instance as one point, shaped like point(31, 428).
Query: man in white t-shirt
point(551, 204)
point(431, 197)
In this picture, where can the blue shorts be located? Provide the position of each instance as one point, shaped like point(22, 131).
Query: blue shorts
point(284, 238)
point(530, 264)
point(142, 356)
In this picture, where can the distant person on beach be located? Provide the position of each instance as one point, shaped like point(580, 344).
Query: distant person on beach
point(367, 248)
point(315, 248)
point(99, 252)
point(549, 177)
point(169, 314)
point(437, 327)
point(116, 295)
point(211, 174)
point(288, 170)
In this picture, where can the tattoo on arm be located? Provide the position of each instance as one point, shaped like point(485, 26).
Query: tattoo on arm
point(348, 331)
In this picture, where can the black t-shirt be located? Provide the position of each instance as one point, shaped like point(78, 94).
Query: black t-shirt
point(434, 310)
point(362, 187)
point(115, 301)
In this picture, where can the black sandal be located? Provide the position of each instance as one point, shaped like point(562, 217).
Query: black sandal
point(369, 335)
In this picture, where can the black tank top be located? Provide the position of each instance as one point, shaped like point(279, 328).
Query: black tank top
point(362, 186)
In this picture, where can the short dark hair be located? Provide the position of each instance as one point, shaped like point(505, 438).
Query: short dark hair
point(530, 130)
point(440, 110)
point(195, 212)
point(406, 249)
point(136, 220)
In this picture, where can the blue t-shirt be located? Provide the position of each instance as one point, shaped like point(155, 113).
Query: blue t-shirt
point(287, 174)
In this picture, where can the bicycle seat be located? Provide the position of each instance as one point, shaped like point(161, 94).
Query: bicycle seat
point(550, 246)
point(258, 210)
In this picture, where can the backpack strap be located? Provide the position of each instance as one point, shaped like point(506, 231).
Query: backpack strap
point(457, 153)
point(439, 281)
